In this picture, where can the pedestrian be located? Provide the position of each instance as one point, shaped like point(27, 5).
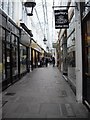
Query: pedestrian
point(42, 61)
point(53, 61)
point(46, 61)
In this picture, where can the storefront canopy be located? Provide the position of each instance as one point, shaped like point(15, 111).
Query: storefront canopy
point(26, 29)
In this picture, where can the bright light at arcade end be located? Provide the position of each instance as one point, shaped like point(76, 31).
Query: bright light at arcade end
point(30, 4)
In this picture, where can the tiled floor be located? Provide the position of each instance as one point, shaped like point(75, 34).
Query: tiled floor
point(43, 93)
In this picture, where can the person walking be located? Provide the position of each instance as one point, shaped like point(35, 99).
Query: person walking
point(53, 61)
point(46, 61)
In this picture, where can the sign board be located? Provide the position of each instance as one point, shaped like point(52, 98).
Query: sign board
point(61, 19)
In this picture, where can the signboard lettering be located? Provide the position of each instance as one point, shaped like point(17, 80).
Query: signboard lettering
point(61, 19)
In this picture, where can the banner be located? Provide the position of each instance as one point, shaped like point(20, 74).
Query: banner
point(61, 19)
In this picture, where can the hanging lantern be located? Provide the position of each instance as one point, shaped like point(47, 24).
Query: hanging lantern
point(30, 4)
point(44, 40)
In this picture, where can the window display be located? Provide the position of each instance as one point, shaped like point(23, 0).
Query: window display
point(3, 55)
point(23, 56)
point(89, 60)
point(14, 55)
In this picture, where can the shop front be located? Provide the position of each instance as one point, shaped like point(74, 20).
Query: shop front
point(86, 59)
point(24, 53)
point(10, 38)
point(15, 51)
point(35, 54)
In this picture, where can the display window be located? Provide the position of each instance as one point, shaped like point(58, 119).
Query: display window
point(71, 59)
point(8, 34)
point(14, 55)
point(9, 56)
point(23, 58)
point(3, 55)
point(86, 59)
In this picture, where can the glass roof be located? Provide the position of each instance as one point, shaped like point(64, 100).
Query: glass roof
point(43, 17)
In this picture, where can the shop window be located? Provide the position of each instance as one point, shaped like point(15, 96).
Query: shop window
point(14, 55)
point(3, 54)
point(14, 40)
point(3, 34)
point(86, 58)
point(71, 59)
point(88, 32)
point(3, 61)
point(87, 47)
point(3, 21)
point(0, 55)
point(86, 38)
point(7, 36)
point(89, 60)
point(23, 57)
point(8, 60)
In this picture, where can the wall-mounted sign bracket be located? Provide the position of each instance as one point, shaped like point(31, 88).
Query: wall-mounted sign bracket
point(86, 5)
point(63, 6)
point(66, 6)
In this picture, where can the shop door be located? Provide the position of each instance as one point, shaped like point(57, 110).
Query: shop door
point(86, 61)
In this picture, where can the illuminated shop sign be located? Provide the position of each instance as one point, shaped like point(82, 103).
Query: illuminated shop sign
point(61, 19)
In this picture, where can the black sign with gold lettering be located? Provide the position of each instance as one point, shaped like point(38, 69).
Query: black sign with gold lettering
point(61, 19)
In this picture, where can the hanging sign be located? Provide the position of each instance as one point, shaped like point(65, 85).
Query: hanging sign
point(61, 19)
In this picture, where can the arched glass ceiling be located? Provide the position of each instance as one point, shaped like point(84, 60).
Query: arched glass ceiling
point(43, 17)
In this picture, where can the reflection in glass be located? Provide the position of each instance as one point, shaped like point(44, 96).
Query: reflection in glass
point(8, 60)
point(14, 60)
point(3, 34)
point(89, 60)
point(3, 61)
point(71, 59)
point(7, 36)
point(22, 58)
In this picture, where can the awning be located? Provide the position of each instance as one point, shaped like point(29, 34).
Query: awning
point(26, 29)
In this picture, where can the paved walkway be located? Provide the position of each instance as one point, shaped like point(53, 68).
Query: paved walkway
point(43, 93)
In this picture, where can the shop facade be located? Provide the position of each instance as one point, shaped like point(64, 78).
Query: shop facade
point(24, 52)
point(86, 53)
point(15, 51)
point(36, 53)
point(10, 40)
point(78, 51)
